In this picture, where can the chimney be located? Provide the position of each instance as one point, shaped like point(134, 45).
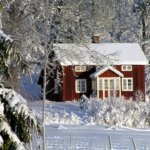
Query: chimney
point(95, 39)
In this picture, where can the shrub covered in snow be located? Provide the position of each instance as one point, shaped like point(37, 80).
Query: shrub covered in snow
point(117, 112)
point(62, 118)
point(16, 121)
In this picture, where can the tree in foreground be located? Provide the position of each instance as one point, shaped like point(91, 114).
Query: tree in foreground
point(17, 123)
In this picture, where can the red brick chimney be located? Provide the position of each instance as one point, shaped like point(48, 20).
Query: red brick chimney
point(95, 39)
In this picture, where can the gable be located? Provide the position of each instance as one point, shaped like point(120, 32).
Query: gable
point(107, 71)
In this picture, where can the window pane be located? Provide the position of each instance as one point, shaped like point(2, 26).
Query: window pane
point(124, 67)
point(117, 84)
point(112, 84)
point(100, 84)
point(129, 84)
point(82, 86)
point(128, 67)
point(106, 84)
point(78, 85)
point(77, 68)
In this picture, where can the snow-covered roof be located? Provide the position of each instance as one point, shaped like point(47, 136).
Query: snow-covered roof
point(101, 71)
point(100, 54)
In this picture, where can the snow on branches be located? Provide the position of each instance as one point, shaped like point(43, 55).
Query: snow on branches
point(16, 120)
point(118, 112)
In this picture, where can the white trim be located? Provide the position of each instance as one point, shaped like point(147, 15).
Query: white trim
point(127, 89)
point(101, 71)
point(120, 87)
point(80, 86)
point(97, 88)
point(126, 68)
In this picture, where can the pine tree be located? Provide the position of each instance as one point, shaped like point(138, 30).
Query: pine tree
point(16, 120)
point(9, 57)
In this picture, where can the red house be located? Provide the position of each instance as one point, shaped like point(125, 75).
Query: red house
point(99, 69)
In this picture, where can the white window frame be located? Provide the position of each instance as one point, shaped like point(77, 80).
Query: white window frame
point(80, 68)
point(80, 85)
point(127, 88)
point(56, 89)
point(126, 67)
point(108, 83)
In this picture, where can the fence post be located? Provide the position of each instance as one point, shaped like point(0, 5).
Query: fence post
point(70, 142)
point(110, 143)
point(134, 146)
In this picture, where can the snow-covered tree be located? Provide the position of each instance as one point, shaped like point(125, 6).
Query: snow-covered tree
point(13, 57)
point(17, 122)
point(9, 57)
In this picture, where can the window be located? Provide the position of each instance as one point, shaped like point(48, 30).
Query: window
point(112, 87)
point(126, 68)
point(56, 86)
point(106, 84)
point(80, 68)
point(127, 84)
point(80, 85)
point(117, 84)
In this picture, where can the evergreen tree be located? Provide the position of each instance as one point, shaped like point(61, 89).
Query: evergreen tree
point(9, 58)
point(16, 122)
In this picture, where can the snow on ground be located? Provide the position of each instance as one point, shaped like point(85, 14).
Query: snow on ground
point(28, 84)
point(67, 129)
point(95, 138)
point(97, 112)
point(59, 112)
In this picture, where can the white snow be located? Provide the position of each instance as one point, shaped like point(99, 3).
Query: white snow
point(1, 140)
point(1, 109)
point(28, 84)
point(4, 36)
point(100, 54)
point(17, 104)
point(4, 126)
point(13, 98)
point(69, 127)
point(118, 112)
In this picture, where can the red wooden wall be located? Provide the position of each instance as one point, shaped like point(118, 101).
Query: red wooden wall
point(138, 75)
point(69, 77)
point(67, 90)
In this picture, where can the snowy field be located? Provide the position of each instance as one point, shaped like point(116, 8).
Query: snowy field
point(67, 129)
point(95, 138)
